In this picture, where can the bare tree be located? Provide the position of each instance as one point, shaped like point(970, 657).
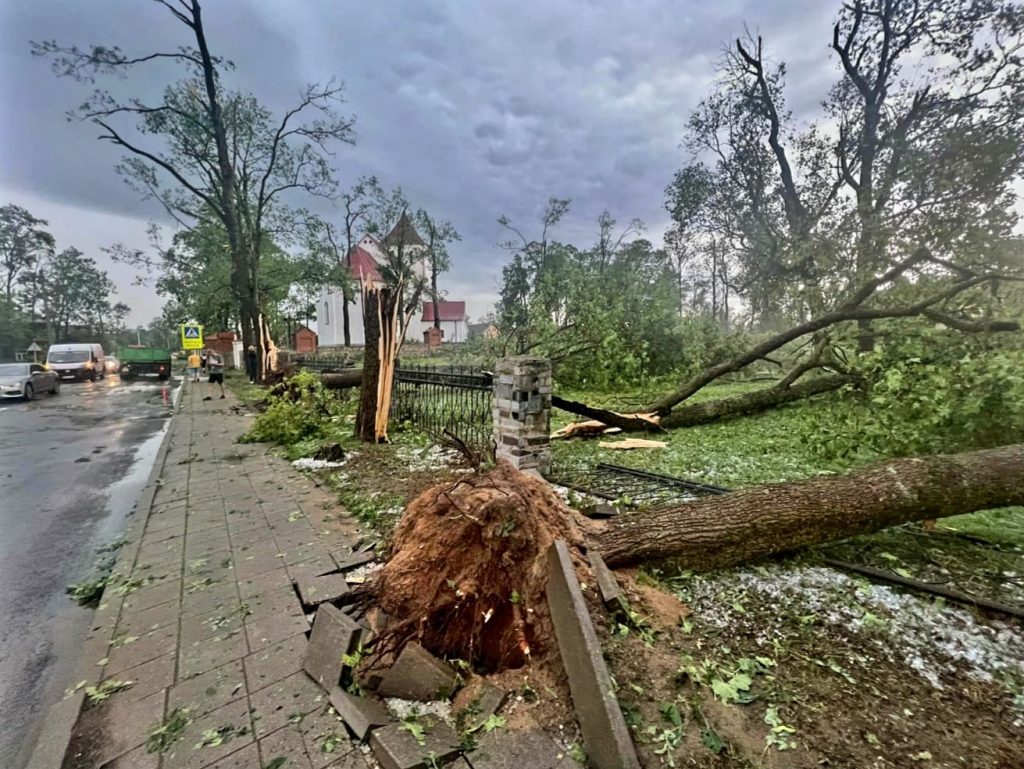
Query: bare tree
point(212, 153)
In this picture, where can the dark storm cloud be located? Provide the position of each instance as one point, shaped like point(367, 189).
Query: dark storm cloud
point(476, 109)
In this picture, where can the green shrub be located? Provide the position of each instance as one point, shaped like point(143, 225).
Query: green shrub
point(304, 409)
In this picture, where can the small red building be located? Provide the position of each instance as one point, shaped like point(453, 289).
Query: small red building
point(304, 341)
point(222, 342)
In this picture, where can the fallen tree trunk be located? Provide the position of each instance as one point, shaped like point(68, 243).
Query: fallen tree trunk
point(627, 422)
point(708, 411)
point(745, 525)
point(752, 402)
point(343, 379)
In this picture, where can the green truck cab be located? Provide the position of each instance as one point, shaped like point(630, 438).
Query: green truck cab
point(136, 361)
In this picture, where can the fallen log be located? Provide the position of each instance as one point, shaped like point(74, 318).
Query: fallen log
point(343, 379)
point(752, 402)
point(745, 525)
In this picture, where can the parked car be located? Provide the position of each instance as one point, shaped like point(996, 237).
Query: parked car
point(111, 364)
point(76, 361)
point(27, 380)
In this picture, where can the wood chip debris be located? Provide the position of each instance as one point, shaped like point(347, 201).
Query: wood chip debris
point(632, 443)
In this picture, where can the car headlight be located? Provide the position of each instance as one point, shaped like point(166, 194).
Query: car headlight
point(89, 364)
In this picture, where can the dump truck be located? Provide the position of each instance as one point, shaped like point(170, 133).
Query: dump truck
point(137, 361)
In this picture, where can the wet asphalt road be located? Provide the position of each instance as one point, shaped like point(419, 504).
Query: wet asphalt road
point(71, 467)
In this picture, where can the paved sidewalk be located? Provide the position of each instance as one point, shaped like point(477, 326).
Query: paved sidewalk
point(206, 623)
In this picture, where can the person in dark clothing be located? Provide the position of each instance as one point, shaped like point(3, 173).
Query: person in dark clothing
point(251, 367)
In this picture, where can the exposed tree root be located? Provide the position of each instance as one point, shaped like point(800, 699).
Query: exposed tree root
point(468, 575)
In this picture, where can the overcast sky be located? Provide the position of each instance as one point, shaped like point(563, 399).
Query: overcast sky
point(476, 108)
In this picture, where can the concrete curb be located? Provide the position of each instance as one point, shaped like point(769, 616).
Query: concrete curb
point(605, 734)
point(55, 734)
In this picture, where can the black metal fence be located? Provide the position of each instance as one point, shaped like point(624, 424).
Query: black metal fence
point(323, 364)
point(446, 401)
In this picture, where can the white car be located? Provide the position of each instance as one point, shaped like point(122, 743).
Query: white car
point(27, 380)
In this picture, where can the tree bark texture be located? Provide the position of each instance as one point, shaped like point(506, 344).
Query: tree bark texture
point(343, 379)
point(714, 532)
point(367, 415)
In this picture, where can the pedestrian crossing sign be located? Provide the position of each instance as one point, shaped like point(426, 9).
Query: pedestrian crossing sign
point(191, 336)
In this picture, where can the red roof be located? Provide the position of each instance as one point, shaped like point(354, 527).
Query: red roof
point(447, 311)
point(364, 266)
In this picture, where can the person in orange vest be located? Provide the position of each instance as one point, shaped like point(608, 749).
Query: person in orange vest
point(194, 361)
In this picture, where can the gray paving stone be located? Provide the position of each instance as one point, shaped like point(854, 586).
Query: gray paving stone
point(286, 743)
point(348, 560)
point(285, 701)
point(277, 600)
point(232, 719)
point(334, 635)
point(533, 749)
point(396, 748)
point(210, 653)
point(274, 662)
point(263, 631)
point(139, 622)
point(208, 691)
point(127, 650)
point(153, 676)
point(154, 594)
point(249, 565)
point(246, 758)
point(478, 701)
point(313, 591)
point(360, 714)
point(325, 737)
point(605, 734)
point(418, 675)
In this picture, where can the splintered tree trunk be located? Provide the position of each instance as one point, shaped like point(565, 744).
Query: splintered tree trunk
point(366, 418)
point(750, 524)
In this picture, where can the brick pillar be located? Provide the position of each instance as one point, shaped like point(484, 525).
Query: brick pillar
point(522, 412)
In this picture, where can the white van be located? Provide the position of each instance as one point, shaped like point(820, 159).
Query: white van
point(76, 361)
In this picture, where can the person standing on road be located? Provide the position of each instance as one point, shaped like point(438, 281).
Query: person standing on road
point(215, 368)
point(251, 367)
point(194, 361)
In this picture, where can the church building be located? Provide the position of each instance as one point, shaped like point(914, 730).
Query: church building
point(366, 258)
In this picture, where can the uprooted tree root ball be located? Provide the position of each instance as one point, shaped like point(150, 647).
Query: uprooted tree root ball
point(468, 576)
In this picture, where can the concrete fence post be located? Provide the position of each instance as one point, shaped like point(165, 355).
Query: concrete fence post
point(522, 412)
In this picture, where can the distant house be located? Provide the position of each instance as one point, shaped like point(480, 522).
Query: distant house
point(485, 330)
point(452, 317)
point(366, 258)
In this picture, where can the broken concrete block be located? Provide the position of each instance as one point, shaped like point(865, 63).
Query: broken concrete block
point(348, 560)
point(605, 734)
point(418, 675)
point(607, 585)
point(502, 749)
point(334, 635)
point(477, 702)
point(396, 747)
point(315, 590)
point(360, 714)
